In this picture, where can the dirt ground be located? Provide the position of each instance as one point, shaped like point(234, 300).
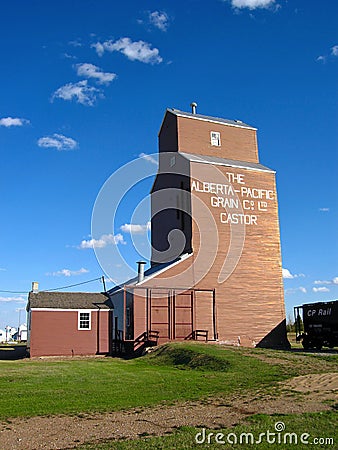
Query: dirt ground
point(301, 394)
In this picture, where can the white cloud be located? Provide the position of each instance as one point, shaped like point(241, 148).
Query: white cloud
point(252, 4)
point(68, 56)
point(295, 290)
point(100, 48)
point(333, 281)
point(13, 122)
point(149, 158)
point(159, 19)
point(134, 228)
point(80, 92)
point(321, 289)
point(324, 209)
point(134, 51)
point(90, 71)
point(288, 275)
point(58, 141)
point(12, 299)
point(75, 43)
point(103, 241)
point(333, 53)
point(334, 50)
point(68, 272)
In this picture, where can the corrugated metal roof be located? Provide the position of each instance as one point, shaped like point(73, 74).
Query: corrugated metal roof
point(68, 300)
point(225, 162)
point(234, 123)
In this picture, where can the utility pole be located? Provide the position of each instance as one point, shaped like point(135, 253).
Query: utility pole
point(104, 284)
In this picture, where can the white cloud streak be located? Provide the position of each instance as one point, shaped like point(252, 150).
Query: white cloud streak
point(159, 19)
point(68, 272)
point(58, 141)
point(149, 158)
point(252, 4)
point(80, 92)
point(88, 70)
point(333, 281)
point(12, 299)
point(13, 122)
point(324, 209)
point(333, 53)
point(334, 50)
point(295, 290)
point(134, 51)
point(321, 289)
point(103, 241)
point(133, 228)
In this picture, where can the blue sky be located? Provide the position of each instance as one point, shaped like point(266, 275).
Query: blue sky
point(84, 86)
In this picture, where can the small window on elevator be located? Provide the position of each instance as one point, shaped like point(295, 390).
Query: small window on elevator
point(215, 138)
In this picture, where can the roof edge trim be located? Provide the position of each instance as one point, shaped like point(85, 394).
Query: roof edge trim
point(211, 119)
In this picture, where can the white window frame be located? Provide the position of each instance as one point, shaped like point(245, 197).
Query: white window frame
point(215, 138)
point(84, 311)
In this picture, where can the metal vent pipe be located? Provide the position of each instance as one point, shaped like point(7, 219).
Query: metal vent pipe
point(140, 271)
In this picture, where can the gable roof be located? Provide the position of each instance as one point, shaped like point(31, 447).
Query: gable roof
point(68, 300)
point(233, 123)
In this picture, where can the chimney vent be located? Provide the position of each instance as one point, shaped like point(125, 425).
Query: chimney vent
point(193, 107)
point(140, 271)
point(35, 287)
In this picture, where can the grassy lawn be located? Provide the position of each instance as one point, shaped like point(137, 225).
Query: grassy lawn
point(43, 387)
point(181, 371)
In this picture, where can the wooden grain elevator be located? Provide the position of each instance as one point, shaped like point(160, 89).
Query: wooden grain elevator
point(216, 271)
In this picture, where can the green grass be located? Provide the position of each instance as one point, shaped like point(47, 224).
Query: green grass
point(43, 387)
point(316, 425)
point(175, 372)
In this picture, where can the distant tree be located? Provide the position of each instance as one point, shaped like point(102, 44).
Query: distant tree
point(291, 324)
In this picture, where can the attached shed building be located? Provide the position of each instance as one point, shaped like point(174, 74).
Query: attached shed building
point(68, 323)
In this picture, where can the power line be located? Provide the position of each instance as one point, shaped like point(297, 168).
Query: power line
point(72, 285)
point(55, 289)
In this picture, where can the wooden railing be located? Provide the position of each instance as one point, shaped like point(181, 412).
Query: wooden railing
point(194, 335)
point(126, 346)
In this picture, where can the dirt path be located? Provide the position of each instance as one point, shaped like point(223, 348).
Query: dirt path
point(301, 394)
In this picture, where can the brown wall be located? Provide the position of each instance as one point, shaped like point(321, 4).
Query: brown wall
point(237, 143)
point(55, 333)
point(192, 135)
point(250, 301)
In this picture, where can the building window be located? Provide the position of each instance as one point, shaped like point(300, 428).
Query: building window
point(84, 321)
point(215, 138)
